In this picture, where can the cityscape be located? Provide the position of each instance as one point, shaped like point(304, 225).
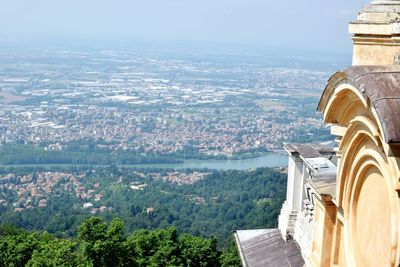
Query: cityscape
point(193, 106)
point(187, 106)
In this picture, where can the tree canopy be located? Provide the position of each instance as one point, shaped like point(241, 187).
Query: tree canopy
point(101, 244)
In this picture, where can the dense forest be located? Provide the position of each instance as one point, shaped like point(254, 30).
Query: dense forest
point(222, 202)
point(105, 244)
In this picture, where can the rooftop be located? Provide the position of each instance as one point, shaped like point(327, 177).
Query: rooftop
point(385, 101)
point(265, 247)
point(320, 165)
point(308, 150)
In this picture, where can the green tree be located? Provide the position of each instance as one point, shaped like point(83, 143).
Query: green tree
point(199, 252)
point(58, 253)
point(156, 248)
point(17, 249)
point(103, 244)
point(230, 257)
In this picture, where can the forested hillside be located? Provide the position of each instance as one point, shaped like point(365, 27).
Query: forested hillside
point(106, 244)
point(221, 202)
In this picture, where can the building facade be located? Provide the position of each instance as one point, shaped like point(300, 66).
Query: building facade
point(342, 206)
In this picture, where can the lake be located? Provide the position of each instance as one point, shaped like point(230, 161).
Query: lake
point(269, 160)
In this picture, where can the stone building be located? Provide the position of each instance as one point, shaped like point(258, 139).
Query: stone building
point(342, 206)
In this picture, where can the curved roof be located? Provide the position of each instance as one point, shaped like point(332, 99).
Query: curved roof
point(380, 86)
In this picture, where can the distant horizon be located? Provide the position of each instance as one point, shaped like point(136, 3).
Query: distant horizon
point(181, 46)
point(287, 25)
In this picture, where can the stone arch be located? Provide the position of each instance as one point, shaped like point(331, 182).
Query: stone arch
point(360, 132)
point(347, 97)
point(371, 211)
point(367, 174)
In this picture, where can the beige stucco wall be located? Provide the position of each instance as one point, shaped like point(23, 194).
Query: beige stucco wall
point(371, 227)
point(325, 217)
point(376, 34)
point(375, 54)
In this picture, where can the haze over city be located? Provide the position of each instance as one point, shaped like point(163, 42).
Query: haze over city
point(298, 25)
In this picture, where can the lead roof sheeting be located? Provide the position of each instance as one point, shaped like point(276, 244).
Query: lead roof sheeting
point(309, 150)
point(381, 86)
point(266, 247)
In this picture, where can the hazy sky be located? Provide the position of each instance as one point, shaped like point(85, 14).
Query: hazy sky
point(303, 24)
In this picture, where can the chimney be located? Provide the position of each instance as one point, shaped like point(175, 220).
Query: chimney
point(376, 34)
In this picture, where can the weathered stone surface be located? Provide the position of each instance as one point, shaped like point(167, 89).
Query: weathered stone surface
point(376, 34)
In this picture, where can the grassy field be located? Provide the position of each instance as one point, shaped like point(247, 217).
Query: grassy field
point(270, 105)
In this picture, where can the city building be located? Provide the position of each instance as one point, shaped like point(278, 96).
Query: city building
point(342, 207)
